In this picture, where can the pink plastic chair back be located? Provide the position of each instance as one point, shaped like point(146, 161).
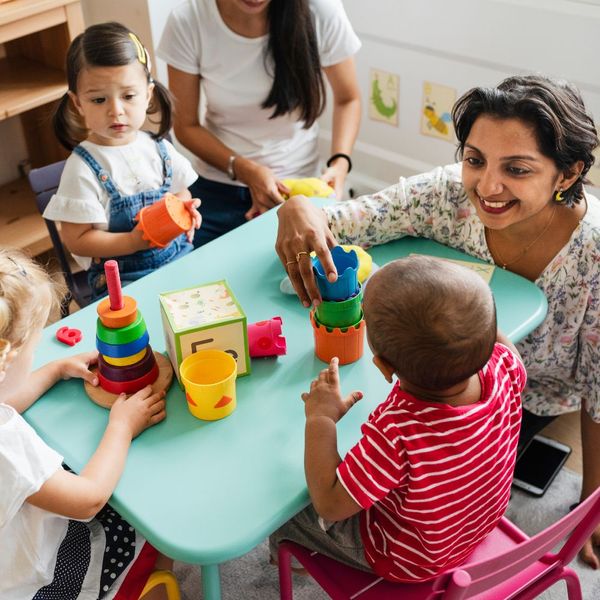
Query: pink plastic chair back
point(507, 564)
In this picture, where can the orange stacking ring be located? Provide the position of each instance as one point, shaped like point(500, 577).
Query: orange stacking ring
point(345, 343)
point(131, 386)
point(117, 318)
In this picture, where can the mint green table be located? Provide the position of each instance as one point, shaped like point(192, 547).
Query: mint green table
point(208, 492)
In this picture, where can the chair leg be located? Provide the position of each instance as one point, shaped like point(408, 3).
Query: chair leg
point(165, 578)
point(573, 584)
point(284, 559)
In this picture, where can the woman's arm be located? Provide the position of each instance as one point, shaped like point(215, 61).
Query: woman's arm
point(590, 443)
point(82, 239)
point(346, 119)
point(82, 496)
point(264, 187)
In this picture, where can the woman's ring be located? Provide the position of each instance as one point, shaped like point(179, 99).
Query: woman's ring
point(290, 262)
point(300, 254)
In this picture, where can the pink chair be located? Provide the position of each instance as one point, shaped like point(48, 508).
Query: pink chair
point(507, 564)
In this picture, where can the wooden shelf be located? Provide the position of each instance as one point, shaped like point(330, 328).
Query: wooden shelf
point(27, 84)
point(21, 224)
point(35, 35)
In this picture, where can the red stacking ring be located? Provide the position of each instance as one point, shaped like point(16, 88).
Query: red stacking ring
point(129, 387)
point(127, 372)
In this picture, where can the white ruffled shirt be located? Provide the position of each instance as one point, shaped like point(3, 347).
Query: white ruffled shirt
point(29, 536)
point(235, 83)
point(134, 168)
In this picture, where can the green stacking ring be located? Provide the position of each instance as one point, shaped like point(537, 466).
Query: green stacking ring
point(122, 335)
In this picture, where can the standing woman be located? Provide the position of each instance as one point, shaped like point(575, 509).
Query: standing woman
point(260, 64)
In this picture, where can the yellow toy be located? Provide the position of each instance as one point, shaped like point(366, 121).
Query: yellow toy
point(365, 262)
point(309, 186)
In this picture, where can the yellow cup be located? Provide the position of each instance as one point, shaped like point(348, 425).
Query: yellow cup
point(208, 377)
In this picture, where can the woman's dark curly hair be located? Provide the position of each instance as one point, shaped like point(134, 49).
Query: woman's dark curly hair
point(565, 131)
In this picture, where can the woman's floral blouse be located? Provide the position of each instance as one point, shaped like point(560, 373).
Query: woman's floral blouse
point(562, 354)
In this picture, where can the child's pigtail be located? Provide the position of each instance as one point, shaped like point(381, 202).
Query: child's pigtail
point(162, 102)
point(66, 124)
point(5, 348)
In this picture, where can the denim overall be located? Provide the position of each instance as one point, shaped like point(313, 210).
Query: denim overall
point(123, 209)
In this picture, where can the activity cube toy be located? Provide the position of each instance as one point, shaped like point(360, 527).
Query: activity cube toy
point(204, 317)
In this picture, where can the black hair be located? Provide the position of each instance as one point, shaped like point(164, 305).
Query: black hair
point(433, 321)
point(106, 45)
point(554, 108)
point(297, 77)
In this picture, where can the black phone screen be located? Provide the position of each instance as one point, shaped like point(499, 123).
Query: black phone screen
point(539, 463)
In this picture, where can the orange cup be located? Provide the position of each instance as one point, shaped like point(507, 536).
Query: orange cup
point(347, 343)
point(164, 220)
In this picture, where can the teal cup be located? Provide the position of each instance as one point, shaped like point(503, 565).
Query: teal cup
point(342, 313)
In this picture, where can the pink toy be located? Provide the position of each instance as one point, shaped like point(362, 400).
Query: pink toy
point(265, 339)
point(68, 335)
point(113, 283)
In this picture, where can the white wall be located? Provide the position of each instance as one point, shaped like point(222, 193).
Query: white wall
point(459, 44)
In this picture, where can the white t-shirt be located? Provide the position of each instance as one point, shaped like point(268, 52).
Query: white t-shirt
point(235, 83)
point(133, 168)
point(29, 536)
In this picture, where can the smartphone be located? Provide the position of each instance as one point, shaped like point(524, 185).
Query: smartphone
point(539, 463)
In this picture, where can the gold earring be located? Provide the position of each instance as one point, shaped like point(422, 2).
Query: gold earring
point(558, 197)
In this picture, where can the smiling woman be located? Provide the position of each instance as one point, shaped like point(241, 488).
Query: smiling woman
point(517, 200)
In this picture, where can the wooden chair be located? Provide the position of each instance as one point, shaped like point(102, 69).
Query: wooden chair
point(507, 564)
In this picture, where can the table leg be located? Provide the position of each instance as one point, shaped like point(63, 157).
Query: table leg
point(211, 582)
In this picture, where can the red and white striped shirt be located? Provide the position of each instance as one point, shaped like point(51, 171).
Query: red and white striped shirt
point(435, 479)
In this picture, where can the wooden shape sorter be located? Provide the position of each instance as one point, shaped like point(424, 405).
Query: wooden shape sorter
point(204, 317)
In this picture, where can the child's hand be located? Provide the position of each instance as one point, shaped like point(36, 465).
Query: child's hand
point(79, 366)
point(192, 206)
point(325, 398)
point(140, 411)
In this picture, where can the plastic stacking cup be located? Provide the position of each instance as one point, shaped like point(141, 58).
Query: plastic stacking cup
point(346, 264)
point(341, 313)
point(164, 220)
point(265, 339)
point(208, 378)
point(347, 343)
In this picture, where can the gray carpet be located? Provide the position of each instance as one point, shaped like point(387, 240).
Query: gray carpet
point(253, 578)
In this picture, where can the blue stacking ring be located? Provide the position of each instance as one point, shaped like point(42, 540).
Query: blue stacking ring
point(122, 350)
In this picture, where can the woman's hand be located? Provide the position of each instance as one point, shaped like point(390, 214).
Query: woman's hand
point(325, 397)
point(79, 366)
point(264, 187)
point(303, 228)
point(335, 176)
point(138, 412)
point(192, 206)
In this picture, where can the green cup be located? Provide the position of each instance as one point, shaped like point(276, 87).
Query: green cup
point(341, 313)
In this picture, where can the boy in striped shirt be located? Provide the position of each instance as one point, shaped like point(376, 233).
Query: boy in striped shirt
point(430, 476)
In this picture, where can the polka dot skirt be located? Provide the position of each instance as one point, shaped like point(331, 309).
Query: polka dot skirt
point(74, 554)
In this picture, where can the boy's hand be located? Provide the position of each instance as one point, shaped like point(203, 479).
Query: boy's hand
point(79, 366)
point(138, 412)
point(325, 398)
point(192, 207)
